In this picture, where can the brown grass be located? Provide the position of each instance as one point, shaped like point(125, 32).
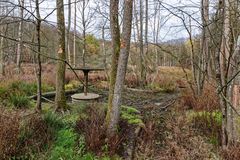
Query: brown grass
point(9, 131)
point(34, 134)
point(208, 101)
point(21, 133)
point(94, 131)
point(182, 142)
point(231, 153)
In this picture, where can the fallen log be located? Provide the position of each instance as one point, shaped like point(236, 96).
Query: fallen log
point(52, 94)
point(142, 90)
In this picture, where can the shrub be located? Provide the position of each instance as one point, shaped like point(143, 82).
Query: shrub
point(33, 135)
point(208, 123)
point(93, 128)
point(16, 93)
point(19, 101)
point(9, 131)
point(53, 121)
point(201, 103)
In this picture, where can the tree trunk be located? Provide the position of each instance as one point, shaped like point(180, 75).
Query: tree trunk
point(224, 73)
point(84, 34)
point(104, 48)
point(3, 30)
point(204, 56)
point(39, 65)
point(236, 91)
point(115, 34)
point(75, 32)
point(20, 35)
point(60, 99)
point(68, 32)
point(122, 67)
point(1, 57)
point(142, 58)
point(146, 28)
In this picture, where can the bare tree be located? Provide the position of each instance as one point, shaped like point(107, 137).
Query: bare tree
point(122, 67)
point(68, 31)
point(39, 65)
point(141, 47)
point(20, 34)
point(60, 99)
point(227, 76)
point(104, 45)
point(75, 32)
point(204, 56)
point(2, 28)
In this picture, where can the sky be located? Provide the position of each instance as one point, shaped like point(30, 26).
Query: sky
point(171, 24)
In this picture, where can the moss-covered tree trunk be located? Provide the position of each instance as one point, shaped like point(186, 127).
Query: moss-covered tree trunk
point(60, 99)
point(114, 113)
point(115, 34)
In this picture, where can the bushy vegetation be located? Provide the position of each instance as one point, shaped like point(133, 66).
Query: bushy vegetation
point(209, 124)
point(207, 101)
point(16, 93)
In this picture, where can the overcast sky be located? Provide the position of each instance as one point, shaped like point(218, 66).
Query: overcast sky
point(172, 28)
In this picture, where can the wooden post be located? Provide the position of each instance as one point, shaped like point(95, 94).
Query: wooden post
point(86, 81)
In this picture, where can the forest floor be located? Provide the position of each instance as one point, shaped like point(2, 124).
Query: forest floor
point(173, 126)
point(169, 132)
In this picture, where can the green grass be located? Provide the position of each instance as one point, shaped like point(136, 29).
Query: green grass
point(15, 94)
point(19, 101)
point(64, 146)
point(67, 144)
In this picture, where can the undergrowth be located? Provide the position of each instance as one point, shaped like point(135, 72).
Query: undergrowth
point(209, 124)
point(15, 93)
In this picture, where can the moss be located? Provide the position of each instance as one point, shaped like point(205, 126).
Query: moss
point(166, 86)
point(131, 115)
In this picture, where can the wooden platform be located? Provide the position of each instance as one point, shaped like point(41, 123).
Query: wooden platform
point(83, 97)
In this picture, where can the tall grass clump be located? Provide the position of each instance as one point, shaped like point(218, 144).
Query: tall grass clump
point(15, 93)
